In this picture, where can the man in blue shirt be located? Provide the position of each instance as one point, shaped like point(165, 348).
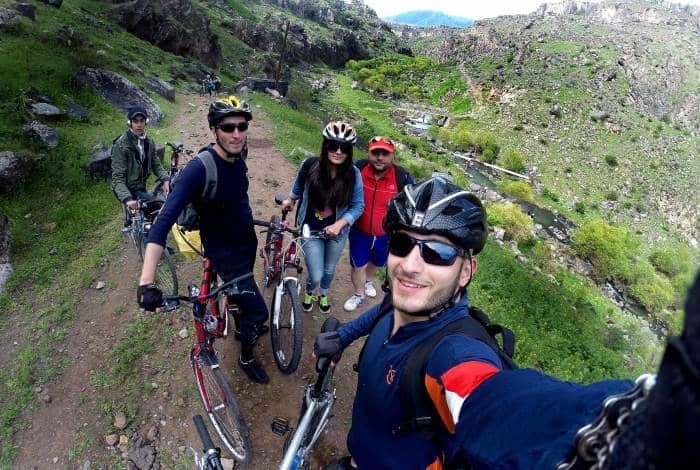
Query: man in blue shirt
point(489, 416)
point(225, 221)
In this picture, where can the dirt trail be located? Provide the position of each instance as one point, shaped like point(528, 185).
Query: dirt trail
point(72, 421)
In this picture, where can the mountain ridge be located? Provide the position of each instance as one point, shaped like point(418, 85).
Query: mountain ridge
point(428, 18)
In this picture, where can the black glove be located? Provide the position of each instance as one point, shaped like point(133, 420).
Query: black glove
point(327, 344)
point(149, 297)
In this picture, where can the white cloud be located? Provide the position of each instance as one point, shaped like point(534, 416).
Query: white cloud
point(468, 8)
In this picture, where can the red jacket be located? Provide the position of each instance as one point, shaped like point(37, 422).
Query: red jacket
point(377, 196)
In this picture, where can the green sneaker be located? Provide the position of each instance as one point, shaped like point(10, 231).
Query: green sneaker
point(324, 304)
point(308, 302)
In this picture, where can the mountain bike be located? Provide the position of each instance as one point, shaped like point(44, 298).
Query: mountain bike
point(211, 456)
point(282, 267)
point(211, 309)
point(141, 220)
point(316, 406)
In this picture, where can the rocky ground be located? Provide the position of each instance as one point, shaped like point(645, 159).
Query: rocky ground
point(66, 416)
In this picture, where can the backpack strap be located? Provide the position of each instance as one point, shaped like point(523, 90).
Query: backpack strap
point(401, 176)
point(416, 403)
point(211, 175)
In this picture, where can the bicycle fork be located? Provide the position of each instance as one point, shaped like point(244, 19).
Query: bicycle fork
point(296, 455)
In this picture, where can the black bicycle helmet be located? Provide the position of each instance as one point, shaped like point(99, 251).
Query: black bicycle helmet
point(230, 106)
point(136, 111)
point(439, 206)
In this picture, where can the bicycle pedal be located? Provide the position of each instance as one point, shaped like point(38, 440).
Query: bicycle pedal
point(280, 426)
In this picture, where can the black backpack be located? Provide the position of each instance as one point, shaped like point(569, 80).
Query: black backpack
point(402, 175)
point(188, 220)
point(417, 407)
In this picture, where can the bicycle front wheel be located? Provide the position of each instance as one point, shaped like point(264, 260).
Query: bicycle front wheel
point(166, 276)
point(221, 406)
point(286, 327)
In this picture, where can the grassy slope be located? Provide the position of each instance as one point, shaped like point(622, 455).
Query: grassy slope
point(42, 293)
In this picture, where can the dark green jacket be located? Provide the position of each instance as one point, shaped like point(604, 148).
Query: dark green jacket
point(129, 173)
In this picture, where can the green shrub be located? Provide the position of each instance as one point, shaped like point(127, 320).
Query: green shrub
point(672, 260)
point(486, 144)
point(543, 256)
point(549, 194)
point(516, 223)
point(611, 160)
point(513, 160)
point(580, 207)
point(612, 196)
point(518, 189)
point(608, 248)
point(652, 291)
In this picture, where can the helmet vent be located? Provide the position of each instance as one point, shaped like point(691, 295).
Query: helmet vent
point(451, 210)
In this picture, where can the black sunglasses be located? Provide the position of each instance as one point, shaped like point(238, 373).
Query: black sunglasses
point(333, 146)
point(229, 127)
point(432, 251)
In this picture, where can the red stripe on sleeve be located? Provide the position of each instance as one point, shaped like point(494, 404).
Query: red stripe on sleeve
point(464, 378)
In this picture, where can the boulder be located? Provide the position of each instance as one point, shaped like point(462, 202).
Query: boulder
point(78, 112)
point(598, 115)
point(53, 3)
point(161, 87)
point(556, 111)
point(261, 84)
point(46, 109)
point(119, 91)
point(13, 171)
point(39, 96)
point(47, 135)
point(172, 25)
point(8, 17)
point(129, 66)
point(100, 164)
point(26, 9)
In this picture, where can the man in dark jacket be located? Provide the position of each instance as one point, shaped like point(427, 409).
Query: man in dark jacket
point(225, 221)
point(133, 159)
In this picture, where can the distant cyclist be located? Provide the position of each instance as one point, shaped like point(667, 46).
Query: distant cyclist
point(225, 221)
point(484, 414)
point(134, 159)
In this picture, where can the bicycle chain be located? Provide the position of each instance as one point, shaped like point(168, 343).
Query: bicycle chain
point(595, 442)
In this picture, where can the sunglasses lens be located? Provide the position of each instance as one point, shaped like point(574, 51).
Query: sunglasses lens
point(432, 252)
point(400, 244)
point(334, 146)
point(230, 127)
point(440, 254)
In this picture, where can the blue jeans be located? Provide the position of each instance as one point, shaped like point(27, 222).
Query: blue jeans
point(322, 256)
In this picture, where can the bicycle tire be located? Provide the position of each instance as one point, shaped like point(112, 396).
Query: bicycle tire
point(166, 275)
point(140, 241)
point(287, 334)
point(221, 406)
point(269, 250)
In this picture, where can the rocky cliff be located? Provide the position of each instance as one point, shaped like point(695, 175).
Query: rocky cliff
point(651, 45)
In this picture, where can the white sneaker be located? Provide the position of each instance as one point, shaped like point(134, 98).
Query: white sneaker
point(353, 302)
point(370, 291)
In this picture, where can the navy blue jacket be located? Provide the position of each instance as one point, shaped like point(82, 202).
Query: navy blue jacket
point(494, 418)
point(226, 222)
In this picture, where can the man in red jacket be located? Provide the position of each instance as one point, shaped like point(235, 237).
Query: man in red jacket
point(381, 180)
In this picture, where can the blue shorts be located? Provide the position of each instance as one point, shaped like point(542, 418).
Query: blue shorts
point(364, 248)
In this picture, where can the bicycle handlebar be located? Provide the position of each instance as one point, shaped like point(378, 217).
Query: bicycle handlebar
point(211, 454)
point(215, 291)
point(266, 223)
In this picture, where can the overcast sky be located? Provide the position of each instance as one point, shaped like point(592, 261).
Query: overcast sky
point(466, 8)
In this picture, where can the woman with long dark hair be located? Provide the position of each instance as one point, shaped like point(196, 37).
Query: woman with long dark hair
point(329, 188)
